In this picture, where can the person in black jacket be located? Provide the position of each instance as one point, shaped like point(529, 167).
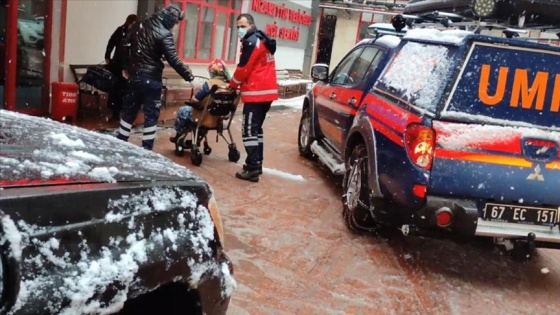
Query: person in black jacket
point(147, 42)
point(116, 65)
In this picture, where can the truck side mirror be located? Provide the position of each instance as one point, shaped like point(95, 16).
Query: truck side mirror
point(319, 72)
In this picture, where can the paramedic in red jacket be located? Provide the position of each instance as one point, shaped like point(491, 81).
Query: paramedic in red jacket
point(256, 74)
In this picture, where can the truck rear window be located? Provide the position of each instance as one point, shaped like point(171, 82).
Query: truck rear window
point(508, 85)
point(418, 74)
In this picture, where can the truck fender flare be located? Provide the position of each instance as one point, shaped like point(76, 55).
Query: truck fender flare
point(309, 102)
point(362, 130)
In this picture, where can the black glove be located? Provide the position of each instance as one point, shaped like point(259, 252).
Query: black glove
point(189, 77)
point(213, 89)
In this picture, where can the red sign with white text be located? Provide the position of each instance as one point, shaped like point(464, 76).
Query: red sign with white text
point(280, 11)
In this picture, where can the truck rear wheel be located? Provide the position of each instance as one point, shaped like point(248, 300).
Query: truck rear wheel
point(356, 192)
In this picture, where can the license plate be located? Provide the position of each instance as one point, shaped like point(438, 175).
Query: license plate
point(520, 214)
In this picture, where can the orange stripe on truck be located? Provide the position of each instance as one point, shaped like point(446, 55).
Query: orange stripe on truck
point(483, 158)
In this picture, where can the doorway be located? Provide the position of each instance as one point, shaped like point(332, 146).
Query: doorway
point(326, 39)
point(24, 78)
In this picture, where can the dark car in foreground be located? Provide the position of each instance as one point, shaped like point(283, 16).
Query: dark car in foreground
point(444, 133)
point(93, 225)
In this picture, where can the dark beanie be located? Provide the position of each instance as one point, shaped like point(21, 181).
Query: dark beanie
point(170, 15)
point(130, 19)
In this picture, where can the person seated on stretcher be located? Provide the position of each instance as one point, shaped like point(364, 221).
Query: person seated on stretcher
point(185, 121)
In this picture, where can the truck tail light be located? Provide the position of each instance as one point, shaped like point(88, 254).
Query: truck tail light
point(419, 190)
point(419, 142)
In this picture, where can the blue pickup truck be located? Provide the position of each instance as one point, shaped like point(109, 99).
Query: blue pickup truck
point(443, 133)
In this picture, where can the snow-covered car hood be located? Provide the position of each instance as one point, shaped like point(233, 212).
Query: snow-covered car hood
point(36, 150)
point(86, 249)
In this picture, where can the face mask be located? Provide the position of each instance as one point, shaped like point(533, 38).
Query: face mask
point(242, 32)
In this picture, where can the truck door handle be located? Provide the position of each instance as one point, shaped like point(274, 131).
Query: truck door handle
point(333, 95)
point(352, 101)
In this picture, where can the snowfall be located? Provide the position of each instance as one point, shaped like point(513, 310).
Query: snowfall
point(81, 280)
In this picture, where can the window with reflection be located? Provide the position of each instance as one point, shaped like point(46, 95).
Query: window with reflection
point(208, 30)
point(30, 53)
point(366, 20)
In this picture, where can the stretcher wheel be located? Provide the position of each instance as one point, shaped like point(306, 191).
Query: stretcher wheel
point(196, 156)
point(179, 150)
point(207, 150)
point(233, 154)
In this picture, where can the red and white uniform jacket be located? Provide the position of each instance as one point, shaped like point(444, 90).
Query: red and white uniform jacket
point(256, 71)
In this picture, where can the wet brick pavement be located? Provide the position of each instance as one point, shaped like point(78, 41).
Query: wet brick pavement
point(293, 254)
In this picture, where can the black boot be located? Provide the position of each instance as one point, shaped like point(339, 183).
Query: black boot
point(259, 170)
point(252, 176)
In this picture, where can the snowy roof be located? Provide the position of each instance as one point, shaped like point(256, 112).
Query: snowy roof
point(435, 35)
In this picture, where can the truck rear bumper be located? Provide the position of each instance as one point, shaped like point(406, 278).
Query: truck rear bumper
point(467, 222)
point(544, 236)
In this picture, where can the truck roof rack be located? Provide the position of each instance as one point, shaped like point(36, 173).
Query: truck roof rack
point(401, 23)
point(381, 29)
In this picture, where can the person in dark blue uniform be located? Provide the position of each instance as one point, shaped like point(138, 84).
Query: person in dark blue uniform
point(147, 42)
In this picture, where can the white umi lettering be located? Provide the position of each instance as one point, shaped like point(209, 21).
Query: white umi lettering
point(69, 94)
point(524, 93)
point(68, 100)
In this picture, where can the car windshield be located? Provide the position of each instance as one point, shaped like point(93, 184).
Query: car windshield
point(418, 74)
point(35, 151)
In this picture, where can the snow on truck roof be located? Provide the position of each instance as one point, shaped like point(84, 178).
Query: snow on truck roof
point(388, 40)
point(435, 35)
point(386, 30)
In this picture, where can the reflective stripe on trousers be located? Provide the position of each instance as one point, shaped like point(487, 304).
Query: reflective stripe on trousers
point(141, 91)
point(254, 115)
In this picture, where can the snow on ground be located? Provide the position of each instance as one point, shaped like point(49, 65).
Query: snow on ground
point(296, 102)
point(290, 82)
point(282, 174)
point(279, 173)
